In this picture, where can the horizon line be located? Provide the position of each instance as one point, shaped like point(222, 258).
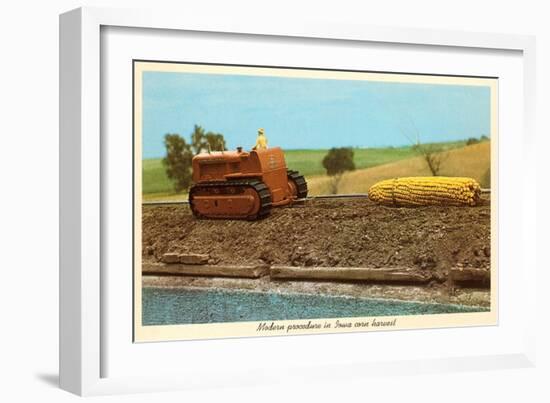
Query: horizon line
point(358, 147)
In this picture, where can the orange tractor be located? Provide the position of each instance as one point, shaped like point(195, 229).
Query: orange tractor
point(243, 185)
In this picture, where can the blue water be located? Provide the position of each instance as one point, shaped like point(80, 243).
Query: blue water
point(170, 306)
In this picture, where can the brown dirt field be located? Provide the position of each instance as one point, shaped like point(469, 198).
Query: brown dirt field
point(342, 232)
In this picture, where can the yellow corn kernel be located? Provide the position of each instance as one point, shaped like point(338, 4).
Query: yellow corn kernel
point(425, 191)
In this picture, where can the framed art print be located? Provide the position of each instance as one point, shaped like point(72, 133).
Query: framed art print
point(237, 198)
point(320, 253)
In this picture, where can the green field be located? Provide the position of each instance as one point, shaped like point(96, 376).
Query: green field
point(308, 162)
point(154, 177)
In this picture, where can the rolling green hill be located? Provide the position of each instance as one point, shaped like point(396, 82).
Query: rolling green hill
point(308, 162)
point(471, 161)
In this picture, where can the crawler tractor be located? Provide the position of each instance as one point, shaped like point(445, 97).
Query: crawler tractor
point(243, 185)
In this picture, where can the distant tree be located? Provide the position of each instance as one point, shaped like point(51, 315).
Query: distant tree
point(179, 154)
point(484, 138)
point(336, 162)
point(472, 140)
point(216, 141)
point(198, 142)
point(433, 154)
point(206, 141)
point(178, 161)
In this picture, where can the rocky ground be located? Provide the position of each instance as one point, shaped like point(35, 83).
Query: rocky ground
point(334, 232)
point(331, 232)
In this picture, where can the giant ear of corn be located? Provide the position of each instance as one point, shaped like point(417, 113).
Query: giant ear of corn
point(426, 191)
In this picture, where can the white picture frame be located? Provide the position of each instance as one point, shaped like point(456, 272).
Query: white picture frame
point(82, 172)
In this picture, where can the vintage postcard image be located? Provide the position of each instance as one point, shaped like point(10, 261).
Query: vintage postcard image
point(281, 201)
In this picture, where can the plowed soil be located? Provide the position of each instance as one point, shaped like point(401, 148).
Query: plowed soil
point(329, 232)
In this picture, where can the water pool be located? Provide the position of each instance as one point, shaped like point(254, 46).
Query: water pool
point(170, 306)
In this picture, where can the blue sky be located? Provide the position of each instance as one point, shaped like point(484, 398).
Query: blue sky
point(299, 113)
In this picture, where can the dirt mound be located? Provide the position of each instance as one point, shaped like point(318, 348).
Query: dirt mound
point(343, 232)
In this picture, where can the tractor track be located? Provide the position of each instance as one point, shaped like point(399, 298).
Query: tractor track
point(261, 189)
